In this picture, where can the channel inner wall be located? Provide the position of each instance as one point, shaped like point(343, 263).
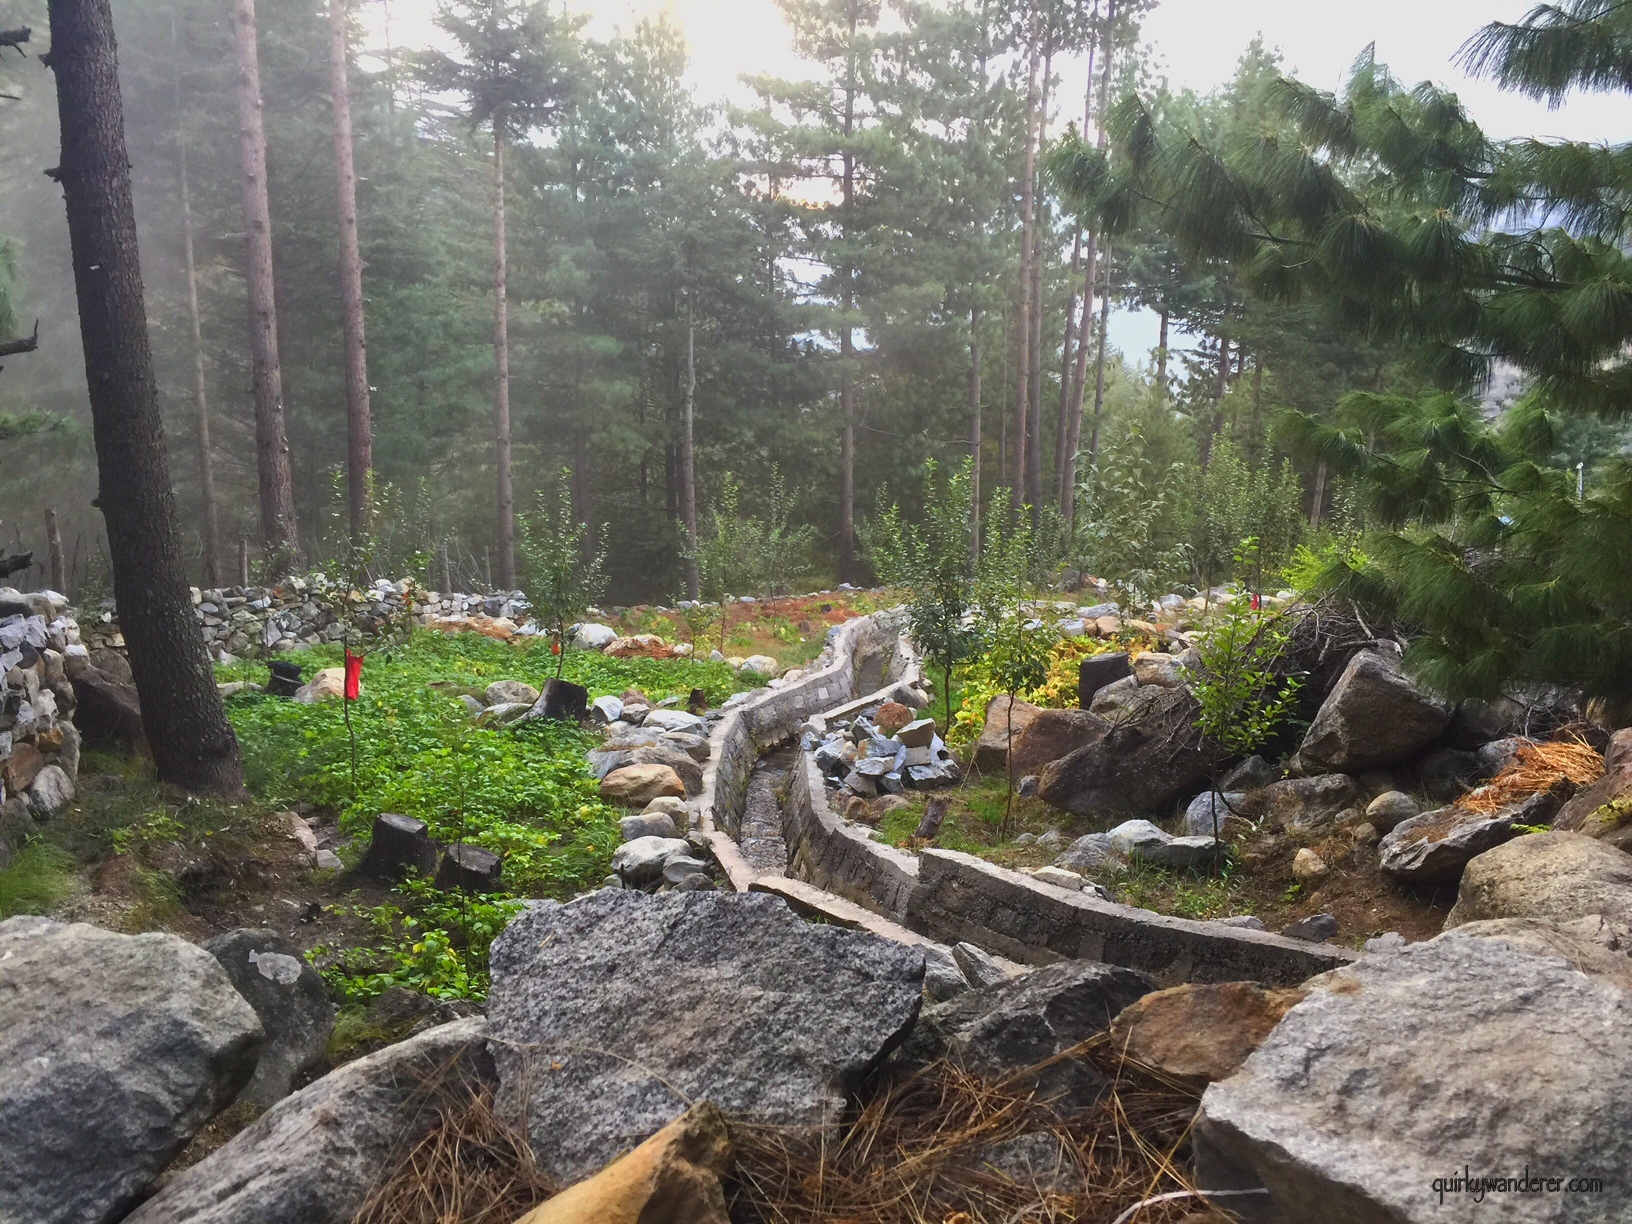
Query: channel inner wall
point(944, 895)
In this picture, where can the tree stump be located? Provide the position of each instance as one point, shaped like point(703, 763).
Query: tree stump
point(697, 703)
point(565, 700)
point(284, 680)
point(929, 828)
point(1096, 671)
point(400, 844)
point(469, 869)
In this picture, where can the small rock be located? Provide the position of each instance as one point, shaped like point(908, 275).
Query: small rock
point(676, 869)
point(1249, 922)
point(1307, 866)
point(1209, 813)
point(1059, 877)
point(51, 793)
point(1388, 941)
point(892, 716)
point(1088, 853)
point(669, 805)
point(607, 709)
point(1317, 928)
point(917, 734)
point(291, 1000)
point(654, 824)
point(761, 665)
point(1028, 787)
point(327, 860)
point(505, 692)
point(978, 967)
point(1050, 839)
point(637, 785)
point(593, 637)
point(1201, 1032)
point(642, 860)
point(676, 720)
point(942, 977)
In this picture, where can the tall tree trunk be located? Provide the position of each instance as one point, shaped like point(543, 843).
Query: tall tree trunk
point(688, 472)
point(187, 728)
point(1253, 442)
point(974, 432)
point(1221, 384)
point(1022, 373)
point(1104, 47)
point(359, 427)
point(847, 340)
point(1161, 360)
point(501, 376)
point(1039, 257)
point(277, 486)
point(201, 402)
point(1062, 411)
point(1317, 503)
point(1099, 359)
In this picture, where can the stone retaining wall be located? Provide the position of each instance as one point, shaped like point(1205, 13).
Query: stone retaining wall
point(763, 722)
point(940, 894)
point(843, 858)
point(962, 897)
point(39, 745)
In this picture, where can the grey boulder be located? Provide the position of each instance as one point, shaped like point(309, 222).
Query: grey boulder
point(291, 1000)
point(1435, 846)
point(1089, 852)
point(1374, 715)
point(1554, 876)
point(1206, 814)
point(1406, 1068)
point(611, 1013)
point(1000, 1030)
point(314, 1156)
point(114, 1050)
point(648, 824)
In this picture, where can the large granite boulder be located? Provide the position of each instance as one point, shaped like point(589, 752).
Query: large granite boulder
point(1141, 765)
point(114, 1050)
point(1001, 1030)
point(1593, 944)
point(1374, 715)
point(1435, 847)
point(1410, 1067)
point(291, 1000)
point(1603, 810)
point(1052, 734)
point(637, 785)
point(1006, 720)
point(612, 1012)
point(314, 1156)
point(1553, 876)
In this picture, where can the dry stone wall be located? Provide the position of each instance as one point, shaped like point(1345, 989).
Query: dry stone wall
point(39, 745)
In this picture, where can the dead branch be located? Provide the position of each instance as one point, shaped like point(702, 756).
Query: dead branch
point(15, 39)
point(24, 344)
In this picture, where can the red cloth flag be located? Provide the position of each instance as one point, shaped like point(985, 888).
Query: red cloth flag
point(354, 675)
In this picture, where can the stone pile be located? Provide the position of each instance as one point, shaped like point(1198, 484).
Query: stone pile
point(39, 744)
point(880, 753)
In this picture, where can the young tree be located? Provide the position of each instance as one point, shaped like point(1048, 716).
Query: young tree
point(1241, 702)
point(564, 575)
point(513, 67)
point(277, 489)
point(192, 742)
point(931, 560)
point(359, 428)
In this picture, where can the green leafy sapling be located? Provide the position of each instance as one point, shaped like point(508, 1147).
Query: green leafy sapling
point(564, 575)
point(1242, 698)
point(930, 560)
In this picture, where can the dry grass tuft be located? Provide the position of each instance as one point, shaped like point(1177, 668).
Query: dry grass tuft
point(471, 1168)
point(917, 1154)
point(1537, 768)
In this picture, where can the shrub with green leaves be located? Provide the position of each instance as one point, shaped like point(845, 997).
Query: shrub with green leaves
point(563, 575)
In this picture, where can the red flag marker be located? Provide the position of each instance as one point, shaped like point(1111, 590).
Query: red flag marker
point(354, 675)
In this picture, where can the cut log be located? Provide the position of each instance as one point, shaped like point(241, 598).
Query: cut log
point(565, 700)
point(400, 844)
point(469, 869)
